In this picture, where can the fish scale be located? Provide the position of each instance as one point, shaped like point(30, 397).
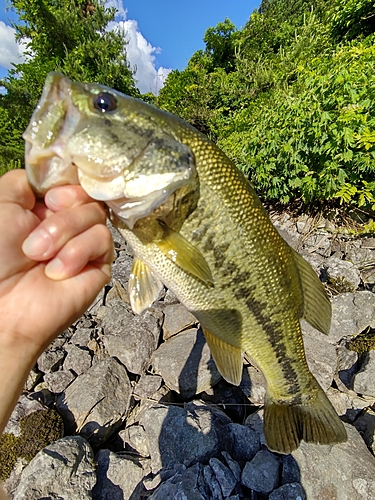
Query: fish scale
point(196, 225)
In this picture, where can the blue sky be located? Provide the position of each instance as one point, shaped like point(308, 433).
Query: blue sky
point(162, 34)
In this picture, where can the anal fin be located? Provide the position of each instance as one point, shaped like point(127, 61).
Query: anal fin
point(144, 286)
point(228, 358)
point(185, 255)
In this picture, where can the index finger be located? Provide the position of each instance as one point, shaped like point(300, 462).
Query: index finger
point(14, 188)
point(64, 197)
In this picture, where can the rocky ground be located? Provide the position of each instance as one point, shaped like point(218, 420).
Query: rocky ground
point(143, 413)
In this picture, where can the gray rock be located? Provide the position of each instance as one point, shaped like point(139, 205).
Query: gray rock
point(58, 381)
point(212, 484)
point(185, 363)
point(290, 471)
point(137, 438)
point(97, 302)
point(321, 358)
point(119, 478)
point(64, 469)
point(342, 275)
point(351, 314)
point(346, 366)
point(131, 338)
point(344, 471)
point(51, 359)
point(233, 465)
point(25, 406)
point(349, 403)
point(176, 319)
point(224, 476)
point(253, 385)
point(365, 425)
point(245, 442)
point(291, 491)
point(77, 360)
point(81, 337)
point(186, 435)
point(96, 403)
point(255, 422)
point(360, 256)
point(147, 386)
point(364, 380)
point(121, 267)
point(185, 485)
point(262, 473)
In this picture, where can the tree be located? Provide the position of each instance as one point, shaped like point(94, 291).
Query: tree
point(69, 36)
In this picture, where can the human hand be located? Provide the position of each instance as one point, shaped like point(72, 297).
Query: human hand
point(54, 259)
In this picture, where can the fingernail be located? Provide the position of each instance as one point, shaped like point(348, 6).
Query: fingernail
point(55, 270)
point(61, 197)
point(37, 244)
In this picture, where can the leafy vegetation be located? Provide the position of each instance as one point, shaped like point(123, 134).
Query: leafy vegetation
point(290, 97)
point(293, 100)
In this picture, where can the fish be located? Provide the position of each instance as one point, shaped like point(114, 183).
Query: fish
point(195, 225)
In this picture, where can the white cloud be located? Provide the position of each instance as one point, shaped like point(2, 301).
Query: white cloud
point(140, 55)
point(10, 51)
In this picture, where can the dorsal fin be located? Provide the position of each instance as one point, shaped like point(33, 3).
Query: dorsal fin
point(316, 305)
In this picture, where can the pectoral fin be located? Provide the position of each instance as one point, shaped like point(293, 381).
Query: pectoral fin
point(178, 249)
point(316, 305)
point(228, 358)
point(144, 286)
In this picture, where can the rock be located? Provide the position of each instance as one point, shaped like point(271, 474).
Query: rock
point(346, 366)
point(176, 319)
point(131, 338)
point(119, 477)
point(364, 380)
point(97, 302)
point(262, 473)
point(96, 403)
point(185, 363)
point(360, 256)
point(77, 360)
point(233, 465)
point(224, 476)
point(290, 471)
point(246, 442)
point(342, 276)
point(185, 485)
point(58, 381)
point(365, 425)
point(81, 337)
point(344, 471)
point(255, 422)
point(51, 359)
point(64, 469)
point(137, 439)
point(147, 386)
point(348, 403)
point(212, 484)
point(122, 266)
point(351, 314)
point(186, 435)
point(291, 491)
point(253, 385)
point(321, 358)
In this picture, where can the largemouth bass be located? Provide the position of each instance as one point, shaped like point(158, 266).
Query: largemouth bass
point(195, 225)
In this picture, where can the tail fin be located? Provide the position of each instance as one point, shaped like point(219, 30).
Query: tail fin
point(314, 421)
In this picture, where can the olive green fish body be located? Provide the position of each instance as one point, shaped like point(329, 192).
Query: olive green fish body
point(195, 225)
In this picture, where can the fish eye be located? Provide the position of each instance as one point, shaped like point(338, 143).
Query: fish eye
point(105, 102)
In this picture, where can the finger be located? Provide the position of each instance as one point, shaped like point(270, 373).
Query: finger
point(57, 229)
point(14, 188)
point(94, 246)
point(63, 197)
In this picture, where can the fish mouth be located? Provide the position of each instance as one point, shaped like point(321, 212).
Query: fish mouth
point(52, 158)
